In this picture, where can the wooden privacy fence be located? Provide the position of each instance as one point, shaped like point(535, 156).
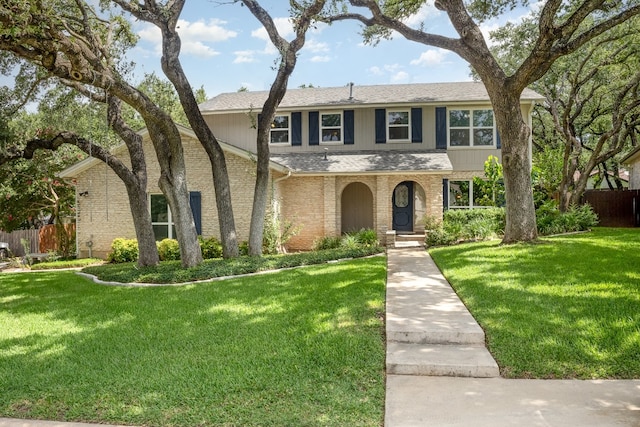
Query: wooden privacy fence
point(615, 208)
point(40, 241)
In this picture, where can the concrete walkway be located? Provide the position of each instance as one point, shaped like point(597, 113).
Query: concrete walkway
point(435, 352)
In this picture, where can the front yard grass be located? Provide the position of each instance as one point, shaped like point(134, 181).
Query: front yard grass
point(568, 307)
point(301, 347)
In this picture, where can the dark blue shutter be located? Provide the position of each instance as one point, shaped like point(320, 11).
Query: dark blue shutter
point(498, 142)
point(314, 128)
point(296, 128)
point(381, 126)
point(441, 128)
point(416, 125)
point(349, 137)
point(195, 200)
point(445, 194)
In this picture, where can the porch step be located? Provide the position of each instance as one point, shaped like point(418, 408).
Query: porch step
point(440, 360)
point(409, 240)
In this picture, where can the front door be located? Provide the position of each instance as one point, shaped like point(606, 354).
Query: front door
point(403, 206)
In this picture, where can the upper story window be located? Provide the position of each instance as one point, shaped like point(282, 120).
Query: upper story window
point(331, 127)
point(280, 130)
point(398, 126)
point(471, 128)
point(161, 219)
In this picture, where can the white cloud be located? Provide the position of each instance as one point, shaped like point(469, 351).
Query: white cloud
point(316, 46)
point(283, 25)
point(321, 58)
point(376, 71)
point(196, 36)
point(426, 12)
point(431, 57)
point(400, 77)
point(244, 56)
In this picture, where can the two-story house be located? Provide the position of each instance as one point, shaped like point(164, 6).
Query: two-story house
point(342, 159)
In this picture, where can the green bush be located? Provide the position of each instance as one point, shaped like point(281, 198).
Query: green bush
point(367, 237)
point(168, 250)
point(243, 248)
point(464, 224)
point(350, 241)
point(327, 242)
point(211, 247)
point(123, 250)
point(577, 218)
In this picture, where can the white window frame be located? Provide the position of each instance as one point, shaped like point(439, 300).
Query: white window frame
point(275, 129)
point(471, 128)
point(471, 205)
point(389, 126)
point(322, 128)
point(169, 222)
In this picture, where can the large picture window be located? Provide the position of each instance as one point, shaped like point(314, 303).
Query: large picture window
point(471, 128)
point(398, 126)
point(280, 130)
point(466, 194)
point(161, 219)
point(331, 127)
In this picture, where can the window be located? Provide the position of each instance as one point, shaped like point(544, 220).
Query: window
point(398, 125)
point(331, 127)
point(280, 130)
point(471, 128)
point(465, 194)
point(161, 220)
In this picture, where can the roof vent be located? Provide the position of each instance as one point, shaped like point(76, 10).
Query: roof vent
point(350, 91)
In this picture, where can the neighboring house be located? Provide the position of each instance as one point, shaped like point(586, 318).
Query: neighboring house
point(342, 159)
point(632, 161)
point(598, 182)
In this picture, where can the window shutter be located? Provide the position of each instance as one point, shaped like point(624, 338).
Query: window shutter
point(498, 142)
point(416, 125)
point(441, 128)
point(381, 126)
point(314, 128)
point(196, 208)
point(445, 194)
point(349, 137)
point(296, 128)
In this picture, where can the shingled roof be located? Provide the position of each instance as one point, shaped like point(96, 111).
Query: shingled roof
point(364, 162)
point(419, 93)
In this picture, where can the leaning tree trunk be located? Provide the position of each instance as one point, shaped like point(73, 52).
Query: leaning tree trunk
point(138, 203)
point(514, 135)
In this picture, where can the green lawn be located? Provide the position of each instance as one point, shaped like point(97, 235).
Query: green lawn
point(302, 347)
point(566, 308)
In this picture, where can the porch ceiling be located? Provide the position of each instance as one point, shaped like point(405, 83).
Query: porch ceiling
point(367, 162)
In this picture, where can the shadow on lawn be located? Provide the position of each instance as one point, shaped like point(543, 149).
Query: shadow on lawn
point(569, 308)
point(297, 348)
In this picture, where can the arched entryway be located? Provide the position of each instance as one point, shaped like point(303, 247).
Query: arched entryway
point(357, 207)
point(409, 206)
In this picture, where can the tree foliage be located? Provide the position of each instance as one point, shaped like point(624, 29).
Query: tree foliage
point(592, 113)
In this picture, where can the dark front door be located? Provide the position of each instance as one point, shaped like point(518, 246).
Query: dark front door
point(403, 206)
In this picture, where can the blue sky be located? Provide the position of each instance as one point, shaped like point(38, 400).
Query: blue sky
point(224, 48)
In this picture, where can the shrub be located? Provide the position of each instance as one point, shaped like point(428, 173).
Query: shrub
point(464, 224)
point(350, 241)
point(123, 250)
point(243, 248)
point(168, 250)
point(577, 218)
point(366, 237)
point(277, 232)
point(211, 247)
point(327, 242)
